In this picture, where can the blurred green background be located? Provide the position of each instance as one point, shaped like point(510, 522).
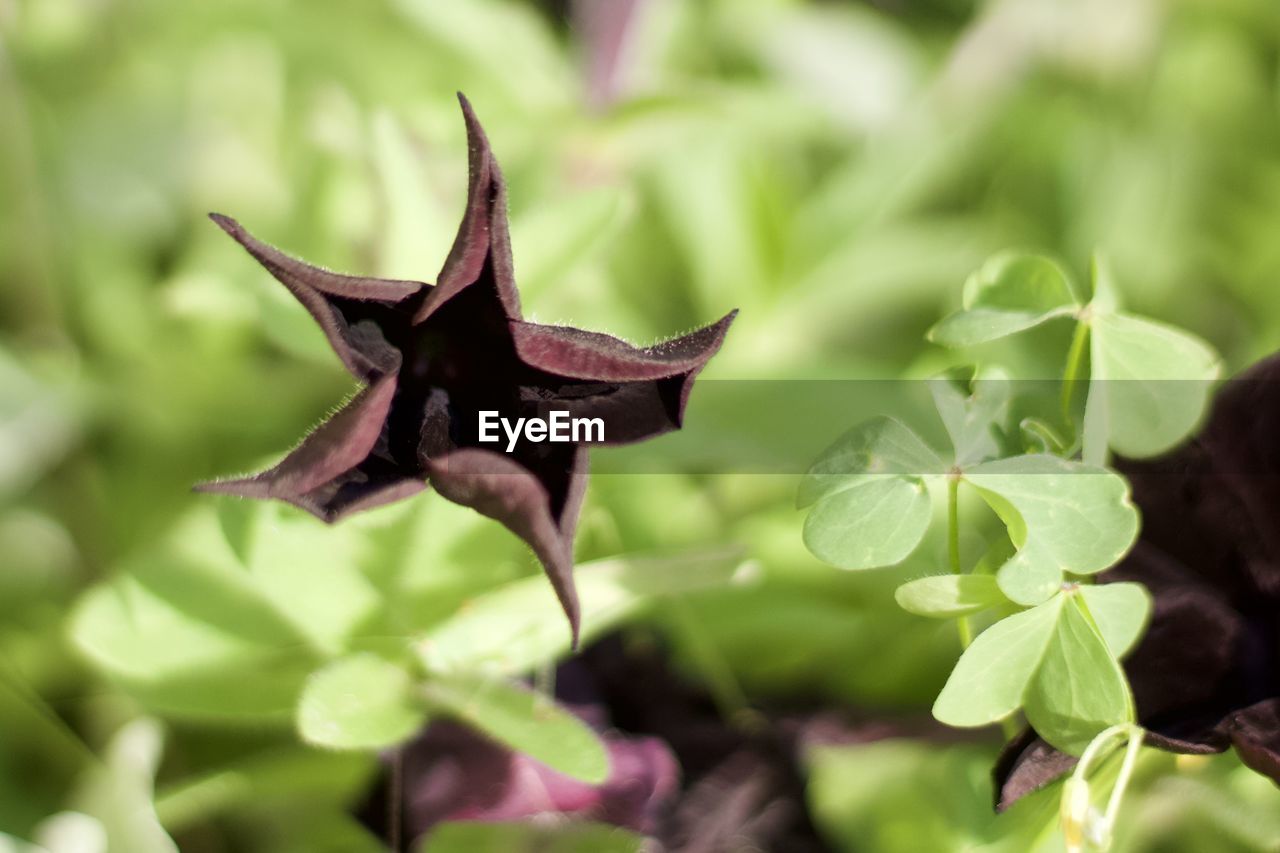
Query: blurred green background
point(833, 169)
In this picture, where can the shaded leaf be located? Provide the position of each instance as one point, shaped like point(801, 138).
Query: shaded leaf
point(945, 596)
point(526, 837)
point(877, 447)
point(524, 721)
point(876, 522)
point(973, 411)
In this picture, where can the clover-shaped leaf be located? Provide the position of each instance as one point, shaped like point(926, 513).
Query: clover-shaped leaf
point(1154, 382)
point(973, 409)
point(872, 506)
point(875, 521)
point(1010, 293)
point(1149, 382)
point(1056, 661)
point(870, 450)
point(991, 678)
point(1121, 611)
point(1063, 517)
point(1079, 688)
point(359, 702)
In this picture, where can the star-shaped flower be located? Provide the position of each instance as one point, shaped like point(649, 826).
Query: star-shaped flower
point(1206, 677)
point(433, 357)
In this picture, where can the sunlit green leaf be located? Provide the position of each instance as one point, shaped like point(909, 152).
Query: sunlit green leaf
point(1079, 689)
point(1008, 294)
point(359, 702)
point(1121, 611)
point(1063, 516)
point(990, 680)
point(1155, 382)
point(516, 627)
point(118, 792)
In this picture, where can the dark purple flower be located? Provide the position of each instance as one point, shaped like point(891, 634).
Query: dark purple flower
point(453, 773)
point(433, 357)
point(681, 773)
point(1206, 677)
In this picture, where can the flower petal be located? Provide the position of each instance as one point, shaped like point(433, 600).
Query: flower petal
point(630, 411)
point(1255, 731)
point(1027, 764)
point(578, 354)
point(637, 392)
point(541, 507)
point(332, 472)
point(355, 313)
point(482, 249)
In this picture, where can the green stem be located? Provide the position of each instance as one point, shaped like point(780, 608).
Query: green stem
point(953, 550)
point(1075, 360)
point(953, 523)
point(1075, 814)
point(726, 692)
point(1136, 734)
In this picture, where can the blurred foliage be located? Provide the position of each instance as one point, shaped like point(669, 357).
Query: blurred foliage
point(833, 169)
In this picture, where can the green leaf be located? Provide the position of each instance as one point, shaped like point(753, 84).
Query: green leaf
point(523, 720)
point(991, 677)
point(118, 790)
point(1079, 689)
point(221, 622)
point(359, 702)
point(1063, 516)
point(878, 521)
point(1121, 611)
point(945, 596)
point(1155, 382)
point(900, 795)
point(1010, 293)
point(518, 626)
point(871, 449)
point(527, 837)
point(973, 412)
point(413, 232)
point(554, 237)
point(1041, 437)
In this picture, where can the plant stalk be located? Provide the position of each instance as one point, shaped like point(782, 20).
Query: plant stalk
point(1075, 361)
point(953, 550)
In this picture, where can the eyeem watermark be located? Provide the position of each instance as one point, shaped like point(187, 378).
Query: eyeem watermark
point(557, 427)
